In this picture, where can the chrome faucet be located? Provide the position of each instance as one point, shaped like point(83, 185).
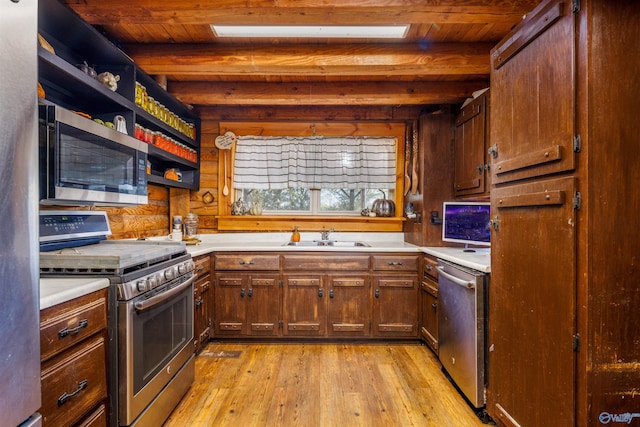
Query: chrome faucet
point(325, 234)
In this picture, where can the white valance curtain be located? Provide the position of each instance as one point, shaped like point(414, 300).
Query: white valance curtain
point(315, 162)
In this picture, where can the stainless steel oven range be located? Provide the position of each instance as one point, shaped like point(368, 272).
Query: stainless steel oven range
point(151, 361)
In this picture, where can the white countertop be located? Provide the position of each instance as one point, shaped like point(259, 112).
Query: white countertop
point(57, 290)
point(54, 291)
point(378, 242)
point(479, 260)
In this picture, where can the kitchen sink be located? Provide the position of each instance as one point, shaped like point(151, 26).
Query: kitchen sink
point(329, 243)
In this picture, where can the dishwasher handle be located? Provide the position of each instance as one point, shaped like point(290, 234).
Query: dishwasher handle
point(464, 283)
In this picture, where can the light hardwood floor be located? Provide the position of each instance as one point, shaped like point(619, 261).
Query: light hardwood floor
point(320, 384)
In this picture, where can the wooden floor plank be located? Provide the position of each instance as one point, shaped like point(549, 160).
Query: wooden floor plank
point(321, 385)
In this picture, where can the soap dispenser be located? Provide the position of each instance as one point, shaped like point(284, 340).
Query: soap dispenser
point(295, 236)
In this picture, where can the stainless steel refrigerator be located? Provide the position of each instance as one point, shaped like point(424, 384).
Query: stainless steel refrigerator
point(19, 273)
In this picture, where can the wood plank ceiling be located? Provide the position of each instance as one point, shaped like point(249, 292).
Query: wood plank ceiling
point(443, 59)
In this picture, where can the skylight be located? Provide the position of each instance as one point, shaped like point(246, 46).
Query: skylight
point(312, 31)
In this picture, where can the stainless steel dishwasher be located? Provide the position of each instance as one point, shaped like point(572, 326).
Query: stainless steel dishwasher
point(461, 328)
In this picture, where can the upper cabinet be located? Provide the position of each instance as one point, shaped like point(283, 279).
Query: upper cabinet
point(73, 53)
point(535, 133)
point(470, 148)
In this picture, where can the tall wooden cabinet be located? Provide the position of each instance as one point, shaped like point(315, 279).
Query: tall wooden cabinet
point(564, 296)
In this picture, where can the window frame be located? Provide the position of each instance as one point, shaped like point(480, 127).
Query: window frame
point(275, 222)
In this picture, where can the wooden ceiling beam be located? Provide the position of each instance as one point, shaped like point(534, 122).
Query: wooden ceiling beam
point(361, 93)
point(260, 12)
point(314, 60)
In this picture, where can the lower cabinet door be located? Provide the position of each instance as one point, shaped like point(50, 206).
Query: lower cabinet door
point(230, 303)
point(348, 307)
point(429, 318)
point(263, 305)
point(395, 307)
point(304, 305)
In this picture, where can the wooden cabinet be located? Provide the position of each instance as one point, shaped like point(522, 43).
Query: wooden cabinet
point(316, 295)
point(247, 295)
point(348, 311)
point(73, 344)
point(470, 148)
point(67, 86)
point(203, 302)
point(331, 301)
point(304, 304)
point(429, 302)
point(564, 254)
point(395, 296)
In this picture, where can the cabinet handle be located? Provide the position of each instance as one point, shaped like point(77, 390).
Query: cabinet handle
point(377, 293)
point(331, 293)
point(320, 293)
point(394, 263)
point(66, 331)
point(434, 305)
point(242, 293)
point(66, 396)
point(199, 301)
point(243, 262)
point(429, 268)
point(480, 169)
point(250, 292)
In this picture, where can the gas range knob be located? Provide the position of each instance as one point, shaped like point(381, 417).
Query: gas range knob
point(154, 281)
point(183, 268)
point(141, 285)
point(169, 274)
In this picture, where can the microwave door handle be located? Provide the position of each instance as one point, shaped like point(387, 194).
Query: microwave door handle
point(153, 301)
point(464, 283)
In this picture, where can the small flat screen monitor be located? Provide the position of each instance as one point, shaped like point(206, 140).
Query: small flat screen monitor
point(466, 222)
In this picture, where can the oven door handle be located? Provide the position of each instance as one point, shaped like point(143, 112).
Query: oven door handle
point(160, 298)
point(458, 281)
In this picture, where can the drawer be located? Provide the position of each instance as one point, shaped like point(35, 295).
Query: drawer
point(247, 262)
point(395, 262)
point(202, 264)
point(97, 418)
point(325, 262)
point(66, 324)
point(429, 286)
point(73, 382)
point(429, 268)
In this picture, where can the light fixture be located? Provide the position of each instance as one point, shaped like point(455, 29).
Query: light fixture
point(313, 31)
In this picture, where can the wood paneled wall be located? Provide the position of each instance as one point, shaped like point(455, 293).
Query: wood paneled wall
point(209, 160)
point(129, 222)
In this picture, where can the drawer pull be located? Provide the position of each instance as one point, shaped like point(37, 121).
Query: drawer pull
point(66, 331)
point(66, 396)
point(395, 263)
point(243, 262)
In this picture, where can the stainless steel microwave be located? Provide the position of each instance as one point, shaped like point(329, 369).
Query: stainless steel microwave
point(83, 162)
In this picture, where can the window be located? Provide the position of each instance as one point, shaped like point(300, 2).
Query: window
point(314, 175)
